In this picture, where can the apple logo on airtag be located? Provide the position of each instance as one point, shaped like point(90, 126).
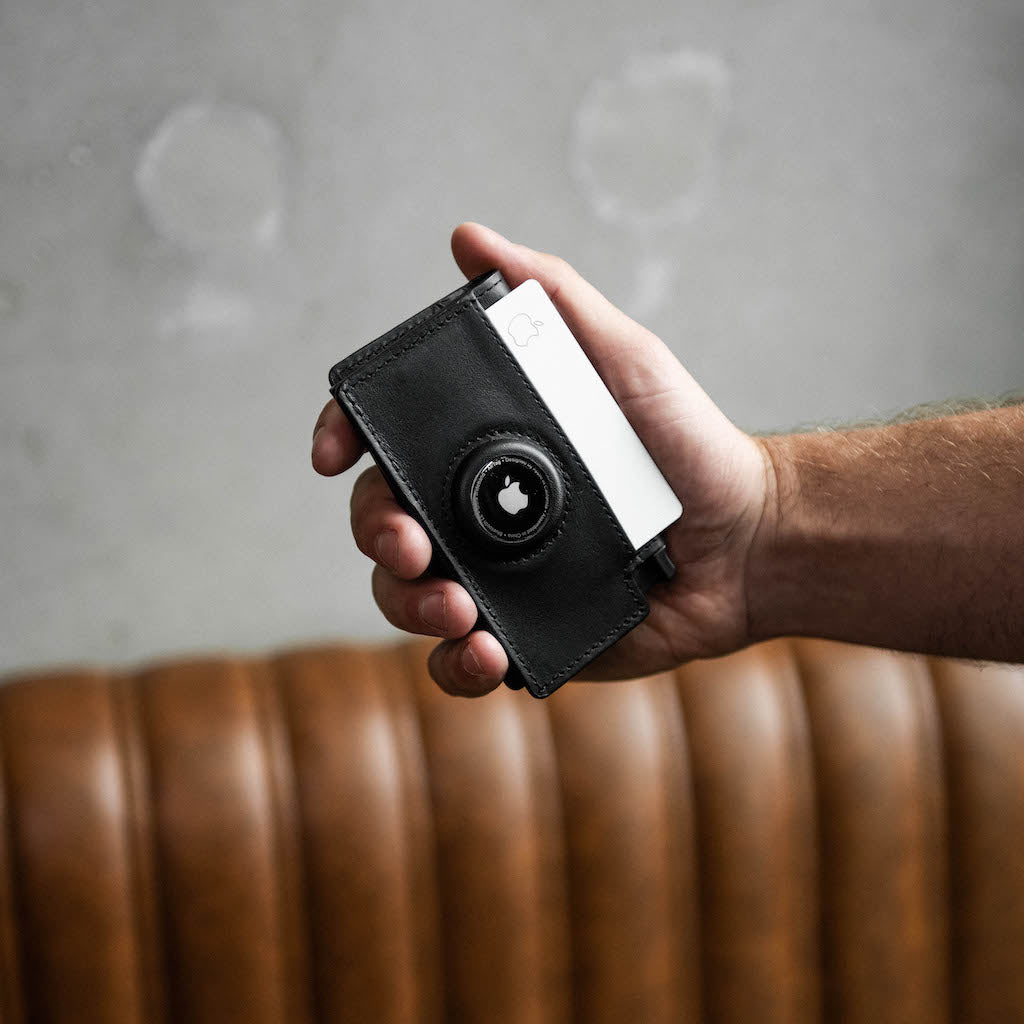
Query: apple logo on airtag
point(511, 497)
point(522, 330)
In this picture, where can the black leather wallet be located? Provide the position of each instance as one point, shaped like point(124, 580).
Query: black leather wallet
point(467, 444)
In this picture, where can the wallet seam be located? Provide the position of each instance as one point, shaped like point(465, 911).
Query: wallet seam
point(458, 309)
point(418, 320)
point(433, 329)
point(489, 288)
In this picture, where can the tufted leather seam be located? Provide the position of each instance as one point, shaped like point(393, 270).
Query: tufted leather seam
point(295, 975)
point(532, 817)
point(916, 683)
point(279, 695)
point(700, 851)
point(172, 995)
point(685, 762)
point(131, 758)
point(826, 1011)
point(667, 763)
point(822, 924)
point(954, 940)
point(412, 664)
point(566, 886)
point(571, 901)
point(409, 980)
point(15, 996)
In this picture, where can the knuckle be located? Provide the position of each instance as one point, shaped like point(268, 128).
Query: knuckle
point(384, 597)
point(360, 489)
point(559, 268)
point(363, 534)
point(559, 263)
point(368, 515)
point(398, 601)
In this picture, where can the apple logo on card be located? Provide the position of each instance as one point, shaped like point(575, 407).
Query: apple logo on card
point(511, 497)
point(522, 330)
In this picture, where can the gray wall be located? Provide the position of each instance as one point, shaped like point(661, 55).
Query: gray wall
point(204, 204)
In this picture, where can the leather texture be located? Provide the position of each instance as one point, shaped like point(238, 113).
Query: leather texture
point(425, 397)
point(800, 832)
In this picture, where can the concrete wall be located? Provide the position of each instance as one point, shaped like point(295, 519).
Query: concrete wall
point(205, 204)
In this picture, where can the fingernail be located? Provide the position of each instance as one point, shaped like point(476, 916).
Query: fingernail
point(386, 547)
point(471, 663)
point(433, 611)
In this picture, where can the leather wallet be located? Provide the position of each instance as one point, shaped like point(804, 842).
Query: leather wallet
point(450, 419)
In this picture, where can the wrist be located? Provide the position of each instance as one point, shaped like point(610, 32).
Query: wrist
point(760, 568)
point(835, 547)
point(901, 536)
point(812, 554)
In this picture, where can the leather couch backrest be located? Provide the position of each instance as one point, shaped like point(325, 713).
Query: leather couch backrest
point(800, 832)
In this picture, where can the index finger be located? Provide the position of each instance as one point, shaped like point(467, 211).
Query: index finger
point(336, 446)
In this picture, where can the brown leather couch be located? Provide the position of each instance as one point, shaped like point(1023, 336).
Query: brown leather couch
point(800, 832)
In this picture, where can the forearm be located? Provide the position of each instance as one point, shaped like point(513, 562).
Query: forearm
point(908, 536)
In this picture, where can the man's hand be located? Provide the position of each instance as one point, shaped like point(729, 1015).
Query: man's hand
point(722, 477)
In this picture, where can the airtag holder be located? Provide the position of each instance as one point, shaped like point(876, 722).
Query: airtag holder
point(508, 494)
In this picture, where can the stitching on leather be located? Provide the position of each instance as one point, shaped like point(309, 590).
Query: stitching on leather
point(379, 345)
point(386, 340)
point(453, 465)
point(133, 771)
point(629, 581)
point(490, 288)
point(456, 311)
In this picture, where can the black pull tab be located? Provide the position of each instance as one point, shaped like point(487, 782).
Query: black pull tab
point(653, 564)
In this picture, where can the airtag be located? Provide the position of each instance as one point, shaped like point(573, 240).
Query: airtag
point(508, 493)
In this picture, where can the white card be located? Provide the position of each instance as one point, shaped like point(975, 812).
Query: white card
point(528, 323)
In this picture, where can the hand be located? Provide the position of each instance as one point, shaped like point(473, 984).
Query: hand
point(721, 476)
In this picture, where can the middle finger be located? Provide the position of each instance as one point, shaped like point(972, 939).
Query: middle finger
point(430, 606)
